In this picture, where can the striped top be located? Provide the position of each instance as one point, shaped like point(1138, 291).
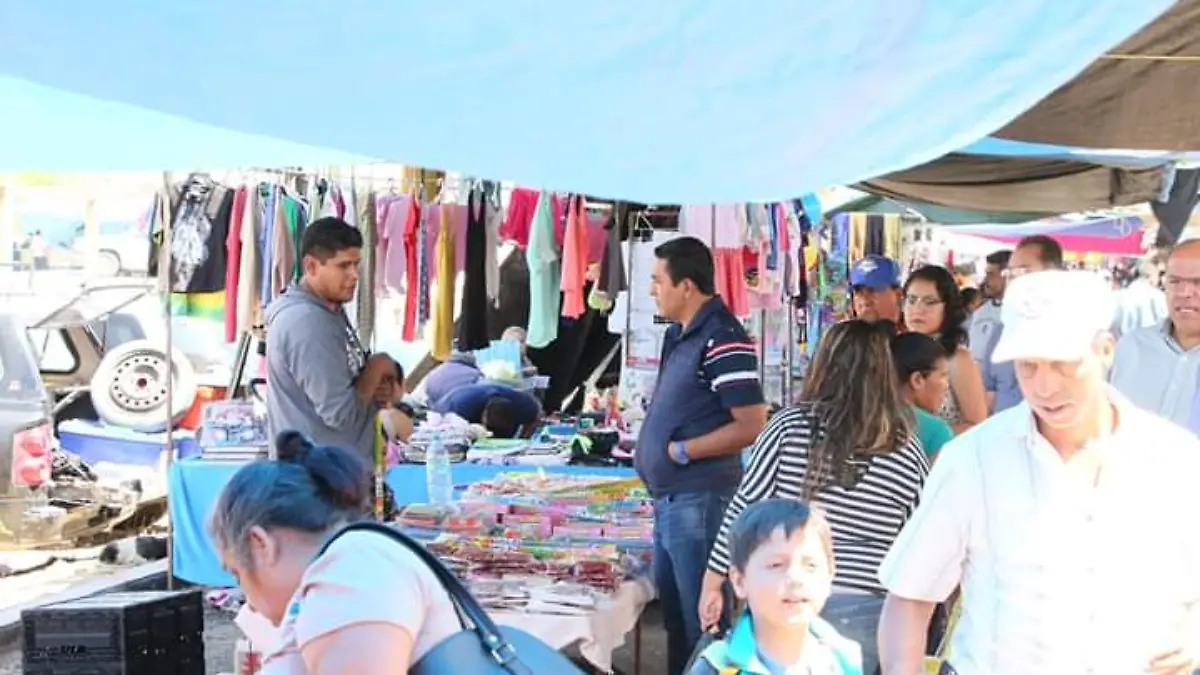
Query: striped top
point(864, 520)
point(730, 366)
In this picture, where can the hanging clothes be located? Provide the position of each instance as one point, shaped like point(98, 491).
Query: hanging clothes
point(611, 279)
point(233, 263)
point(424, 269)
point(522, 205)
point(857, 232)
point(271, 205)
point(412, 271)
point(283, 255)
point(393, 212)
point(495, 215)
point(249, 311)
point(441, 344)
point(473, 323)
point(365, 298)
point(574, 259)
point(874, 239)
point(544, 270)
point(199, 215)
point(348, 199)
point(328, 204)
point(456, 221)
point(892, 246)
point(720, 226)
point(729, 275)
point(300, 215)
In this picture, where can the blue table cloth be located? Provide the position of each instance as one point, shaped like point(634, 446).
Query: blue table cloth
point(194, 485)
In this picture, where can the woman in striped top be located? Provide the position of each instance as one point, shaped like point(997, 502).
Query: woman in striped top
point(848, 447)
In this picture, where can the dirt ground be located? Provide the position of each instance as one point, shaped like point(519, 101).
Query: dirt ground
point(58, 577)
point(220, 636)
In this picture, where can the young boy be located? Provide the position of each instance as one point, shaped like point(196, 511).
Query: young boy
point(781, 567)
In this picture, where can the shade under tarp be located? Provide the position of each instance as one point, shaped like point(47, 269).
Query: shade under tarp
point(682, 101)
point(1144, 101)
point(1020, 184)
point(931, 212)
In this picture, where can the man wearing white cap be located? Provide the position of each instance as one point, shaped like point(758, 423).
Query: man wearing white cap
point(1059, 518)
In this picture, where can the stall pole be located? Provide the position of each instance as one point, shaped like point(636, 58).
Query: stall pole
point(164, 268)
point(633, 237)
point(712, 229)
point(762, 347)
point(788, 366)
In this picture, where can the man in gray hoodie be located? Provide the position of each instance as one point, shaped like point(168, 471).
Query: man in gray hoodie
point(321, 381)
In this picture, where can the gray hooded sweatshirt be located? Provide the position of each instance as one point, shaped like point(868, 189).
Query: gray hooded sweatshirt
point(313, 358)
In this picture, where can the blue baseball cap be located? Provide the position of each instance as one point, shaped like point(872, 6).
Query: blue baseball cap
point(875, 272)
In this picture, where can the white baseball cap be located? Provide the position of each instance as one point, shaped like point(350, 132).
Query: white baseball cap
point(1053, 315)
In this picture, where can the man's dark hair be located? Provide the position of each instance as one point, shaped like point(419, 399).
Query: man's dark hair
point(499, 417)
point(1049, 251)
point(969, 295)
point(999, 259)
point(688, 258)
point(761, 519)
point(329, 236)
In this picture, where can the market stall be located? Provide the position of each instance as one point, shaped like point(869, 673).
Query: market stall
point(564, 557)
point(194, 485)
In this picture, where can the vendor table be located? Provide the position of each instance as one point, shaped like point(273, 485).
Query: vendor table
point(194, 485)
point(596, 634)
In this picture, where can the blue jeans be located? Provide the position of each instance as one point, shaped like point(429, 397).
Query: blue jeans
point(685, 527)
point(856, 617)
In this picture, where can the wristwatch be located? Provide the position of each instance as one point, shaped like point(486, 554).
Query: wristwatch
point(677, 450)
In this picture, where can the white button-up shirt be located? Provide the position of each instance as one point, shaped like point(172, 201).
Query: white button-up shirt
point(1059, 576)
point(1154, 372)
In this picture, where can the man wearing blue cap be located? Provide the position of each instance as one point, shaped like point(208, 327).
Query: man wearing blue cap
point(875, 288)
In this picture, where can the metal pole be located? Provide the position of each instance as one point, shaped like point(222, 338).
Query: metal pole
point(788, 366)
point(164, 268)
point(762, 346)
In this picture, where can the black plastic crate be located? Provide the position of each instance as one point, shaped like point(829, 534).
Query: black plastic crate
point(145, 633)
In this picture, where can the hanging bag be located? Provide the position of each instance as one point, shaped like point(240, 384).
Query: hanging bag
point(481, 648)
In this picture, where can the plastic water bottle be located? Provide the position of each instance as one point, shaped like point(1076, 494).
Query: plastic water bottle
point(439, 482)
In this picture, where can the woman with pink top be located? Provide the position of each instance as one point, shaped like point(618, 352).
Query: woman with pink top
point(366, 605)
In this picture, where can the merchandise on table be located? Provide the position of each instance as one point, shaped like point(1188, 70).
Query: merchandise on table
point(594, 566)
point(627, 524)
point(589, 488)
point(537, 542)
point(233, 431)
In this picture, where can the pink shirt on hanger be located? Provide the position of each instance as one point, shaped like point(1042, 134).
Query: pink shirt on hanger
point(574, 260)
point(389, 262)
point(697, 220)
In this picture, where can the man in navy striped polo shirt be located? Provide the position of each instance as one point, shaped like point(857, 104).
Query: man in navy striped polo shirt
point(708, 405)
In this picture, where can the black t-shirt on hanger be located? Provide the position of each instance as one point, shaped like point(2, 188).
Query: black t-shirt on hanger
point(200, 214)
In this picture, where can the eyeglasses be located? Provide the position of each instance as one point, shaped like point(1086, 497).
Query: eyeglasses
point(919, 301)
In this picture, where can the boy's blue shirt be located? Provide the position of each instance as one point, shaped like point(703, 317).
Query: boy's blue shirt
point(739, 650)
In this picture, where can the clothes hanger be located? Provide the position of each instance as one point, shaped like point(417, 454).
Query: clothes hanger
point(643, 229)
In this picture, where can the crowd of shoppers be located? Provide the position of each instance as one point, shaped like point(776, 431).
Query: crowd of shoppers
point(1016, 479)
